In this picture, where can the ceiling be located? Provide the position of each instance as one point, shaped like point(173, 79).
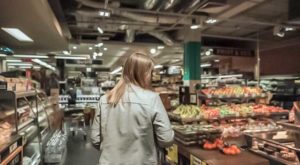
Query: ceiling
point(136, 25)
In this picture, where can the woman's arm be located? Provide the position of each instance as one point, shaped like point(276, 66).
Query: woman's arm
point(95, 129)
point(162, 126)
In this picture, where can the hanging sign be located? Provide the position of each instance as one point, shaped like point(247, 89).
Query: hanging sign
point(233, 52)
point(84, 62)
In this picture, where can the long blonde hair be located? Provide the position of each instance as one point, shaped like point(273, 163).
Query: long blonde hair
point(137, 70)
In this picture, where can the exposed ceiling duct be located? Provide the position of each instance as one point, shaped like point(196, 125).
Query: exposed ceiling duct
point(163, 37)
point(139, 17)
point(130, 33)
point(170, 3)
point(149, 4)
point(150, 18)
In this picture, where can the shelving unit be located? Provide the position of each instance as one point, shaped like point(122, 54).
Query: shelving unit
point(35, 126)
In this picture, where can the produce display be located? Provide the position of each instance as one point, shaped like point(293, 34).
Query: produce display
point(229, 110)
point(231, 150)
point(233, 91)
point(218, 143)
point(187, 111)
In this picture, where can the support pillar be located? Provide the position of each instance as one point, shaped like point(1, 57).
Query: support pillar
point(192, 58)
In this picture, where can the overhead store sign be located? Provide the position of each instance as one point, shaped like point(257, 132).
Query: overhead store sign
point(85, 62)
point(233, 52)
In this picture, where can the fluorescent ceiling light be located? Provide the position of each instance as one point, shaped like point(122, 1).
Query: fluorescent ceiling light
point(71, 57)
point(18, 34)
point(105, 49)
point(152, 50)
point(100, 54)
point(25, 67)
point(289, 29)
point(100, 30)
point(205, 65)
point(208, 53)
point(106, 14)
point(19, 64)
point(160, 47)
point(36, 67)
point(44, 64)
point(90, 48)
point(66, 52)
point(88, 69)
point(101, 13)
point(211, 21)
point(158, 66)
point(195, 27)
point(117, 70)
point(74, 47)
point(216, 60)
point(99, 44)
point(2, 55)
point(29, 56)
point(13, 60)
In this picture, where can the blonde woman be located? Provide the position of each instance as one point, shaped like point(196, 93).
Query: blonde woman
point(132, 118)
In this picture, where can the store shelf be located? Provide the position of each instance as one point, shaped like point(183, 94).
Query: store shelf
point(175, 117)
point(202, 96)
point(24, 124)
point(25, 94)
point(7, 113)
point(272, 157)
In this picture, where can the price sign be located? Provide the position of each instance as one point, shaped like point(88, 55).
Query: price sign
point(194, 160)
point(13, 147)
point(173, 153)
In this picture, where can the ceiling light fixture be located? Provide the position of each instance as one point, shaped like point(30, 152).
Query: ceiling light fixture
point(279, 31)
point(13, 60)
point(160, 47)
point(216, 60)
point(100, 54)
point(44, 64)
point(2, 55)
point(205, 65)
point(104, 13)
point(289, 29)
point(105, 49)
point(66, 52)
point(117, 70)
point(195, 27)
point(208, 53)
point(74, 47)
point(152, 50)
point(90, 48)
point(99, 44)
point(18, 34)
point(158, 66)
point(19, 64)
point(29, 56)
point(100, 30)
point(211, 21)
point(71, 57)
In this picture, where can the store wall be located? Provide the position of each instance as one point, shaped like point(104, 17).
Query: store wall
point(281, 61)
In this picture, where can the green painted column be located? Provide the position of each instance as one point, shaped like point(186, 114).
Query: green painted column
point(192, 60)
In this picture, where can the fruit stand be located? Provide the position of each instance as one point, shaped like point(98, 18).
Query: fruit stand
point(215, 133)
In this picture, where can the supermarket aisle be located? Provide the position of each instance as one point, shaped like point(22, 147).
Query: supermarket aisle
point(81, 152)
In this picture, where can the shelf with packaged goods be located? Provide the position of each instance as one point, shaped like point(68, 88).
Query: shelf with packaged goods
point(8, 148)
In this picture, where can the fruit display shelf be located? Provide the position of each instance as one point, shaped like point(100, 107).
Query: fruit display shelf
point(190, 113)
point(203, 96)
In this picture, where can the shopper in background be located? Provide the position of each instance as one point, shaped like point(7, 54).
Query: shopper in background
point(132, 118)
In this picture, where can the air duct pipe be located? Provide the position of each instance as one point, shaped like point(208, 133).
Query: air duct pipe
point(140, 17)
point(130, 34)
point(163, 37)
point(169, 4)
point(149, 4)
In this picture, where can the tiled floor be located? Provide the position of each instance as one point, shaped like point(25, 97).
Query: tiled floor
point(80, 151)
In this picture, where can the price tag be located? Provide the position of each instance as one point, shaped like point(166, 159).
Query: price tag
point(13, 147)
point(194, 160)
point(173, 153)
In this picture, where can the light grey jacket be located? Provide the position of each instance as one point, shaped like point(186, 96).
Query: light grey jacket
point(133, 130)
